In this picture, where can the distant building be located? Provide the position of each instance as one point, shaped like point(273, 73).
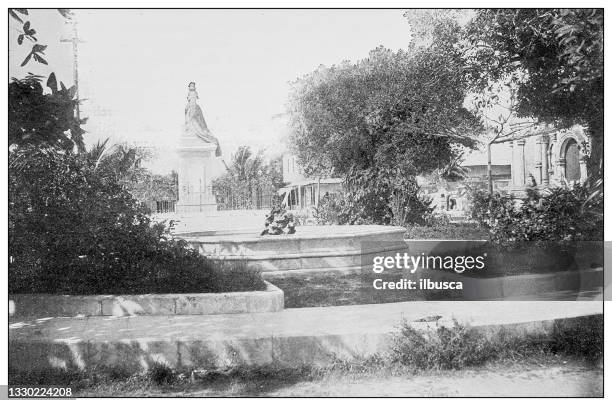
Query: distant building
point(302, 193)
point(479, 174)
point(291, 169)
point(550, 159)
point(476, 164)
point(452, 197)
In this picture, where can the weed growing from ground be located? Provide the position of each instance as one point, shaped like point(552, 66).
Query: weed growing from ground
point(460, 346)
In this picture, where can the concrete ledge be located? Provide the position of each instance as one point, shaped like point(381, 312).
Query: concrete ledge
point(291, 337)
point(270, 300)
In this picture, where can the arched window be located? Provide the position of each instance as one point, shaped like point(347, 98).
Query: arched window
point(572, 163)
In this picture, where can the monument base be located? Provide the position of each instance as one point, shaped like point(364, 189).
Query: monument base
point(196, 208)
point(195, 175)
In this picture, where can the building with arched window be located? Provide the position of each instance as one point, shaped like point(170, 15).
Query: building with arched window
point(550, 159)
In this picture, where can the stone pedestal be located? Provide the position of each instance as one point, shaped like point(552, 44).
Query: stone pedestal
point(196, 166)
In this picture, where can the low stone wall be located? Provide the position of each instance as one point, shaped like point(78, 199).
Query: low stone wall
point(310, 248)
point(270, 300)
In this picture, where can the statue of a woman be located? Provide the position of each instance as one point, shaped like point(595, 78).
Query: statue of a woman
point(194, 119)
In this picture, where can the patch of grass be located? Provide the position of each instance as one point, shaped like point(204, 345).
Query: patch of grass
point(51, 376)
point(161, 374)
point(464, 231)
point(115, 379)
point(583, 336)
point(78, 380)
point(236, 276)
point(373, 364)
point(343, 290)
point(460, 346)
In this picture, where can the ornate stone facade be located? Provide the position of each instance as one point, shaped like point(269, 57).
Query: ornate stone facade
point(550, 158)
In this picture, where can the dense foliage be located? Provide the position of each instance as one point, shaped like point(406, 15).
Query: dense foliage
point(39, 118)
point(558, 55)
point(459, 346)
point(383, 120)
point(74, 229)
point(125, 162)
point(562, 216)
point(448, 231)
point(247, 175)
point(331, 210)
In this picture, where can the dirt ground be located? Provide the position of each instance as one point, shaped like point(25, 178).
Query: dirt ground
point(567, 380)
point(550, 378)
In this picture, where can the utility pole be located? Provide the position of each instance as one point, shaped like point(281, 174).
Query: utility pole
point(74, 38)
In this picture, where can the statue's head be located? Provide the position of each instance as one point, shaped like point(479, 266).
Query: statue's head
point(531, 182)
point(191, 85)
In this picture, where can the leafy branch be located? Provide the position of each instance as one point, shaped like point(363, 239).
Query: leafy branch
point(27, 32)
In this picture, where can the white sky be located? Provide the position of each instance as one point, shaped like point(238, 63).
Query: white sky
point(134, 66)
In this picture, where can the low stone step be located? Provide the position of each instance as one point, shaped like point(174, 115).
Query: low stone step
point(29, 305)
point(291, 337)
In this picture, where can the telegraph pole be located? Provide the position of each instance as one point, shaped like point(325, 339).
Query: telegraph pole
point(74, 38)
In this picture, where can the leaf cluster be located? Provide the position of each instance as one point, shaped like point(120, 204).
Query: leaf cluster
point(45, 119)
point(563, 215)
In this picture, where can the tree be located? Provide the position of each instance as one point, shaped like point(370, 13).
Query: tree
point(558, 53)
point(247, 174)
point(245, 166)
point(383, 120)
point(124, 163)
point(36, 118)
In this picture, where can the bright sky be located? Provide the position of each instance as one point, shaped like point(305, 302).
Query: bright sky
point(134, 67)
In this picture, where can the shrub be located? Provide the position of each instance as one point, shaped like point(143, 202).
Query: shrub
point(460, 346)
point(453, 347)
point(279, 221)
point(331, 210)
point(161, 374)
point(384, 196)
point(409, 206)
point(563, 216)
point(74, 229)
point(39, 117)
point(304, 218)
point(375, 198)
point(583, 337)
